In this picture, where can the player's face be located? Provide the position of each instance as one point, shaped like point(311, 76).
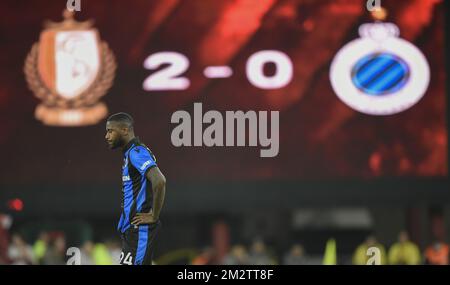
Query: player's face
point(114, 136)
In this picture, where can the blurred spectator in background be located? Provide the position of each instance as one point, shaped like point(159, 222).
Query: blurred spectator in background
point(258, 254)
point(237, 256)
point(86, 253)
point(295, 256)
point(404, 252)
point(40, 247)
point(5, 224)
point(437, 253)
point(100, 255)
point(55, 254)
point(114, 250)
point(19, 252)
point(206, 257)
point(360, 256)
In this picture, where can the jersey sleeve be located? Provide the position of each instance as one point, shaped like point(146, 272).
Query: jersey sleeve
point(142, 159)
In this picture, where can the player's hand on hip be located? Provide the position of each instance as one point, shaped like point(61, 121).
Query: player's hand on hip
point(143, 218)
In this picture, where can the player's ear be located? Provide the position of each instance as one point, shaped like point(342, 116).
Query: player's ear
point(124, 130)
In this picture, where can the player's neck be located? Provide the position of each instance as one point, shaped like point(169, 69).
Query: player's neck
point(127, 141)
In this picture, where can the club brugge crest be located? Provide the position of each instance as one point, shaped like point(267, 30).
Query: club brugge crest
point(379, 73)
point(69, 69)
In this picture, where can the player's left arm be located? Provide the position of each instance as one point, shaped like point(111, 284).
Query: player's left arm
point(145, 163)
point(155, 176)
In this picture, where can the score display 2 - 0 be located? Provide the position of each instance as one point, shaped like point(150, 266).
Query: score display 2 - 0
point(170, 77)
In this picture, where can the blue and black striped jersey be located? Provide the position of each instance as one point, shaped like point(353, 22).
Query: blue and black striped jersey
point(137, 196)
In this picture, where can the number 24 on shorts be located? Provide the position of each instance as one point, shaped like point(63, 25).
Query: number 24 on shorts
point(128, 260)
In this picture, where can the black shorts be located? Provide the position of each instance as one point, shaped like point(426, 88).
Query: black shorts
point(138, 244)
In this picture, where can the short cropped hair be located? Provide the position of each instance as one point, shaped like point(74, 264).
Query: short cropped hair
point(122, 118)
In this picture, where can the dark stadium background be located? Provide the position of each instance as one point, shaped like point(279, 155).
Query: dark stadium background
point(68, 180)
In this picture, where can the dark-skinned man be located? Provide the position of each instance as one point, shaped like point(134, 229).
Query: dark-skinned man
point(143, 191)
